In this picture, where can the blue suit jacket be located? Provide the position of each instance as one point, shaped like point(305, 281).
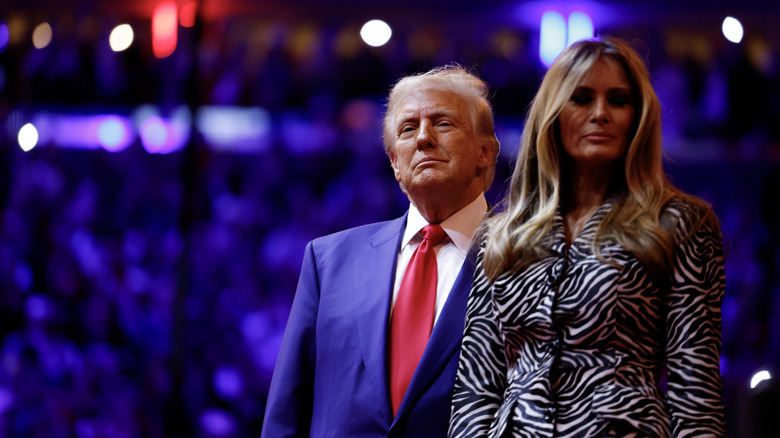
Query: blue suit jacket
point(331, 375)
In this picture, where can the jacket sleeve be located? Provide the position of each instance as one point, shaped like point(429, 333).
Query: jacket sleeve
point(289, 407)
point(481, 378)
point(693, 337)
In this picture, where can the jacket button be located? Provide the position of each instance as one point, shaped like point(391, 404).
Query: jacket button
point(549, 414)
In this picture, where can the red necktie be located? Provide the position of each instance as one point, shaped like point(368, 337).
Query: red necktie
point(413, 314)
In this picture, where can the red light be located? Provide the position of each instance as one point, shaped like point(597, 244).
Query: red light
point(187, 14)
point(164, 26)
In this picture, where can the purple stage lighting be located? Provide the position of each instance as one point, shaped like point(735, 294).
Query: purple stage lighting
point(113, 133)
point(5, 35)
point(154, 134)
point(164, 136)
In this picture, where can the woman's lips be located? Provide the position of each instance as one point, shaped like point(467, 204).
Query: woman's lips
point(598, 137)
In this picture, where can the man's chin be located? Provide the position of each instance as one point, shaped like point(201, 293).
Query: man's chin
point(430, 183)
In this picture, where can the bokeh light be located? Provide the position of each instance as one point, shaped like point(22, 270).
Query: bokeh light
point(376, 33)
point(347, 43)
point(228, 382)
point(188, 13)
point(759, 377)
point(164, 29)
point(5, 36)
point(113, 134)
point(28, 137)
point(154, 134)
point(732, 29)
point(552, 37)
point(42, 35)
point(580, 27)
point(18, 29)
point(236, 129)
point(6, 399)
point(163, 134)
point(38, 307)
point(121, 37)
point(217, 423)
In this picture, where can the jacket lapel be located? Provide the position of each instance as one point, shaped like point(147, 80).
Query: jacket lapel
point(445, 338)
point(374, 276)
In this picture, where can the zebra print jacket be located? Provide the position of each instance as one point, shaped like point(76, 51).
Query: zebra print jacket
point(574, 347)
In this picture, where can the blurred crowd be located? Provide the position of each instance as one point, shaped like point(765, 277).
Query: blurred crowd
point(713, 88)
point(146, 295)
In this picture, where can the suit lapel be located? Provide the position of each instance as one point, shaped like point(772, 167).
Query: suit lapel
point(445, 338)
point(374, 276)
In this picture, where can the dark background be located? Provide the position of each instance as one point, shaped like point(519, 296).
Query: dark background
point(145, 295)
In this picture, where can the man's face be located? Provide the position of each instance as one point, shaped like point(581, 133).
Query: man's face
point(435, 145)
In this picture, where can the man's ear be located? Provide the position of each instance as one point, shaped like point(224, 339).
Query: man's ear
point(485, 155)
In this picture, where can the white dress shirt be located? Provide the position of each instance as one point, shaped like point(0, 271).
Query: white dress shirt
point(450, 252)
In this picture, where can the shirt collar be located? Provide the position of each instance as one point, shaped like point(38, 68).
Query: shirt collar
point(460, 227)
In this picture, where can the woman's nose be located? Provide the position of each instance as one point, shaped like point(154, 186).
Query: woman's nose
point(600, 111)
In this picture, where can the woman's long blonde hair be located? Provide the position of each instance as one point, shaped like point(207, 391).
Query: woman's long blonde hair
point(517, 235)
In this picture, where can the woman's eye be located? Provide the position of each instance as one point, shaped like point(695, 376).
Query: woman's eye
point(620, 100)
point(580, 98)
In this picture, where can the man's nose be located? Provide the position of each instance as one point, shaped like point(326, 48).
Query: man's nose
point(425, 135)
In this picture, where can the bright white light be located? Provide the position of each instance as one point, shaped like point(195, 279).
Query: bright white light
point(42, 35)
point(376, 33)
point(580, 27)
point(121, 37)
point(28, 137)
point(732, 29)
point(552, 37)
point(759, 377)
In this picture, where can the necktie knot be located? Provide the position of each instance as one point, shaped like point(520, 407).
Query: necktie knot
point(433, 233)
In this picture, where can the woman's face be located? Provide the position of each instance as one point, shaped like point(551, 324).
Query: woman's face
point(595, 122)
